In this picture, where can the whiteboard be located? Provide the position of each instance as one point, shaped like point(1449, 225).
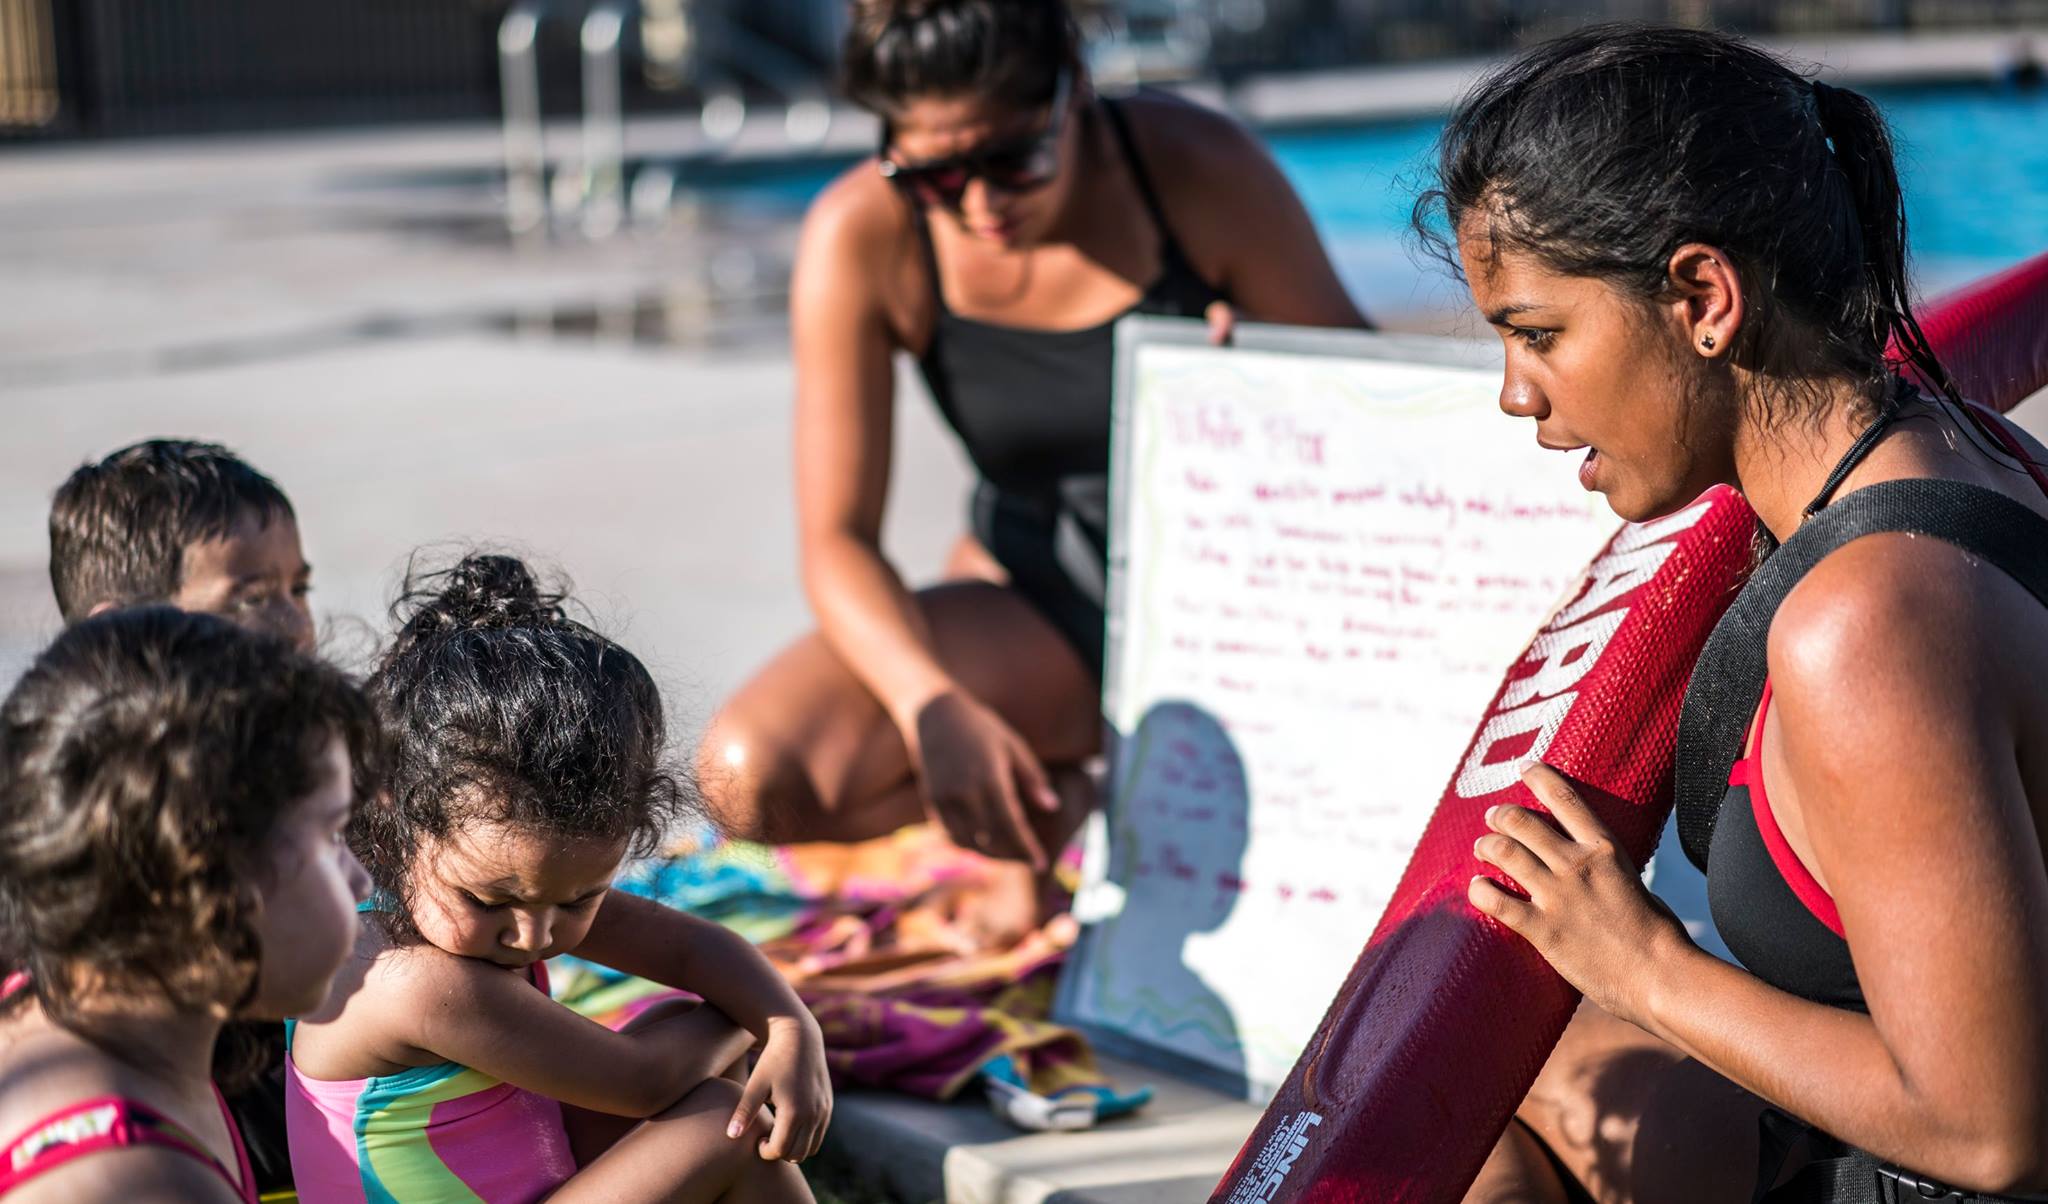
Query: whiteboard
point(1325, 551)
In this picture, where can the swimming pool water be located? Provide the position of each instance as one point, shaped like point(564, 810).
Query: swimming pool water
point(1974, 160)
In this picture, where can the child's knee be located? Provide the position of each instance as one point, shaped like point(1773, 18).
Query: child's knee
point(721, 1098)
point(710, 1094)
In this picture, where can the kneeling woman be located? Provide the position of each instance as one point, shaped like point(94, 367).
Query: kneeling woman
point(1009, 217)
point(1696, 259)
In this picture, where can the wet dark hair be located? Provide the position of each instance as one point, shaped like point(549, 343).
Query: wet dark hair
point(1603, 151)
point(119, 528)
point(145, 759)
point(502, 708)
point(1010, 51)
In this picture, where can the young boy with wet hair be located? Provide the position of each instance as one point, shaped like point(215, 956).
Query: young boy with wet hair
point(192, 525)
point(185, 523)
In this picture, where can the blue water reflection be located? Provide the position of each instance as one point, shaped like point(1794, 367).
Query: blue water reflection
point(1975, 159)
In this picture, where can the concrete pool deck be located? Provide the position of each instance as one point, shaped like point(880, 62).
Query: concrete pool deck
point(410, 381)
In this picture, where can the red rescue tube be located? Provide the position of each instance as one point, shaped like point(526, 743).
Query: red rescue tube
point(1992, 334)
point(1446, 1017)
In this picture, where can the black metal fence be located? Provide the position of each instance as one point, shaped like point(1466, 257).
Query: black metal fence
point(126, 67)
point(123, 67)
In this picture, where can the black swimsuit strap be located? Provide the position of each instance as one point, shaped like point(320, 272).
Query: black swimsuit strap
point(1125, 142)
point(929, 253)
point(1722, 696)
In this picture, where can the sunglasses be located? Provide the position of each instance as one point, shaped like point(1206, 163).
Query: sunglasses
point(1019, 165)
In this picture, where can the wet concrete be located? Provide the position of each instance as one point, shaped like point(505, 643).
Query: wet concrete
point(352, 316)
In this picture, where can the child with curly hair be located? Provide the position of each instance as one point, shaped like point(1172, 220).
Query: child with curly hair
point(527, 763)
point(173, 796)
point(193, 525)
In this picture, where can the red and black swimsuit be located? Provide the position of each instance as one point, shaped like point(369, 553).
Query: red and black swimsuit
point(1770, 910)
point(1767, 905)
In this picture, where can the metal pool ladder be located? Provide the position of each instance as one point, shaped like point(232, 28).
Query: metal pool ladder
point(599, 196)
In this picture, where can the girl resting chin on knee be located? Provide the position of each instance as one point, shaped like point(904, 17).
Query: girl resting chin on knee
point(527, 764)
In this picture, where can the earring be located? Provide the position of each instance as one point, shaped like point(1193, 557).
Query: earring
point(1707, 341)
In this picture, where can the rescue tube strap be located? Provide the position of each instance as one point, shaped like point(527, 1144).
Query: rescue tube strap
point(1842, 1174)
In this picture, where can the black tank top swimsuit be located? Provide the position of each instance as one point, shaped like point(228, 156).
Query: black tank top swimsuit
point(1032, 409)
point(1769, 909)
point(1780, 923)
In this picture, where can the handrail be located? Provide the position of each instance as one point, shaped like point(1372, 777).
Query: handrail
point(604, 121)
point(600, 195)
point(807, 111)
point(525, 144)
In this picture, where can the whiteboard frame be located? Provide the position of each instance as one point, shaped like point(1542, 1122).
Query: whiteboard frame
point(1132, 334)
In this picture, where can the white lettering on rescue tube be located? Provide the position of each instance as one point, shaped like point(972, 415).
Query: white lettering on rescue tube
point(1568, 646)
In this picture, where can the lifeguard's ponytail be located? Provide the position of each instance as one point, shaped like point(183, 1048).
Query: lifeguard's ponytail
point(1862, 147)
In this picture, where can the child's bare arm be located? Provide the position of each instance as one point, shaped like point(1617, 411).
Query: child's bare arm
point(642, 937)
point(487, 1018)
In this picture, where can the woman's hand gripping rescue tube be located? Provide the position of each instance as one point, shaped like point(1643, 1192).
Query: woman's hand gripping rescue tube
point(1584, 905)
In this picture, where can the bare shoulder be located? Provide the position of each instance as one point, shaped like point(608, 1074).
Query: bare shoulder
point(440, 993)
point(387, 1003)
point(856, 261)
point(1236, 214)
point(47, 1069)
point(419, 980)
point(1895, 621)
point(130, 1175)
point(857, 220)
point(1186, 144)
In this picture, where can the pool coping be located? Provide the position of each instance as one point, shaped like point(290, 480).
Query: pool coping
point(1281, 101)
point(918, 1151)
point(1272, 101)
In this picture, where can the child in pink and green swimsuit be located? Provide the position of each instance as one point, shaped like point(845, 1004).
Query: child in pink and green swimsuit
point(426, 1133)
point(527, 762)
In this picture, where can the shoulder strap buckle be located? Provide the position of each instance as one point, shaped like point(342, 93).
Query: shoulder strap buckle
point(1904, 1187)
